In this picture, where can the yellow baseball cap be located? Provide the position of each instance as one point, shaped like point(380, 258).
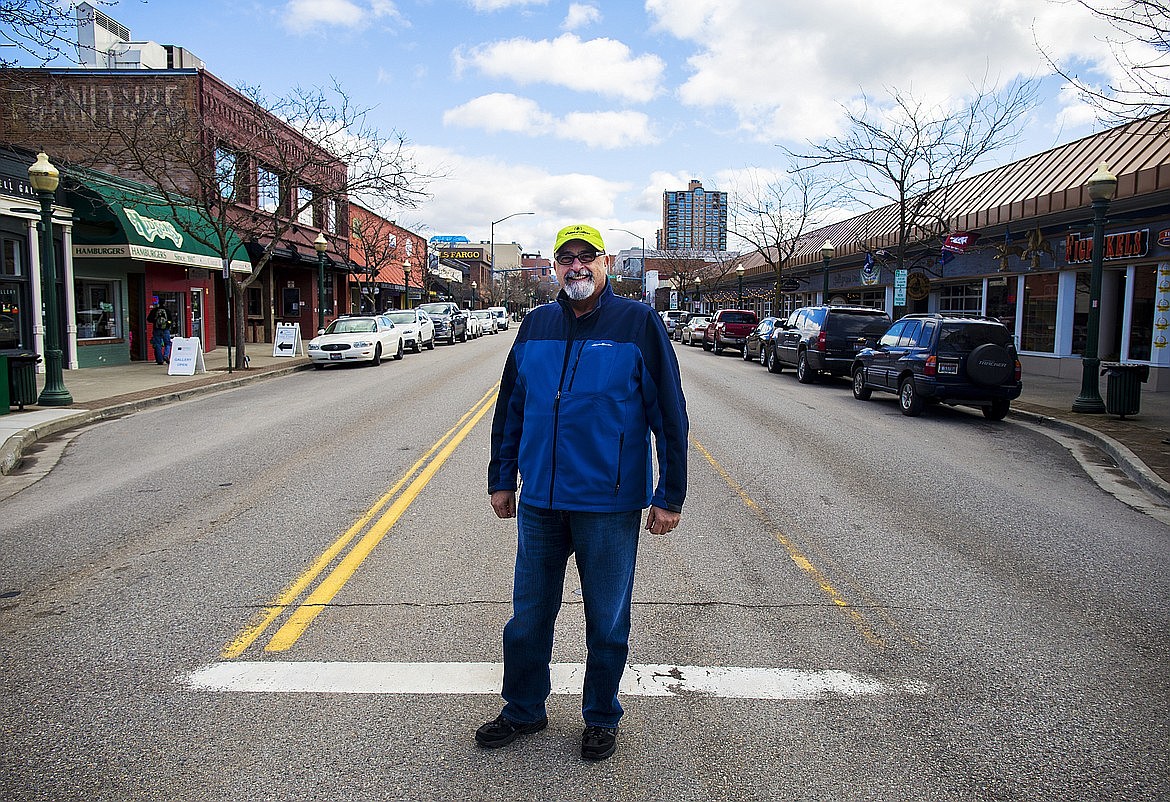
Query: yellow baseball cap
point(584, 233)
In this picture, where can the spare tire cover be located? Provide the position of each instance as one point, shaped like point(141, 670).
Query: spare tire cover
point(990, 364)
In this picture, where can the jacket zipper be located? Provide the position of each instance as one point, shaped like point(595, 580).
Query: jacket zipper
point(552, 477)
point(621, 447)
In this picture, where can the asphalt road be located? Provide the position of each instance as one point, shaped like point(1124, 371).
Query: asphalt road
point(1003, 621)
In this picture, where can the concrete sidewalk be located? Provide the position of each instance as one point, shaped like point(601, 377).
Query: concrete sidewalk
point(1138, 444)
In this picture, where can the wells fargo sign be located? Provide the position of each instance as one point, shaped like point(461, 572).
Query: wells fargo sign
point(1126, 245)
point(466, 254)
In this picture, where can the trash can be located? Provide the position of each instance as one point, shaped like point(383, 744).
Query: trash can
point(22, 376)
point(1123, 392)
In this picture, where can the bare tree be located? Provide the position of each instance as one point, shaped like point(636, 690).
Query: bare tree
point(1140, 44)
point(772, 216)
point(378, 246)
point(911, 155)
point(259, 171)
point(38, 31)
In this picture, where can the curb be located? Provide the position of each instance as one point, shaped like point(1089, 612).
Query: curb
point(13, 449)
point(1129, 462)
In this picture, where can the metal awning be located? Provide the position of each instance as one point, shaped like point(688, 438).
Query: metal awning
point(123, 219)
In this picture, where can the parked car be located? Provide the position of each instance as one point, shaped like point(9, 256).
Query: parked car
point(474, 329)
point(755, 347)
point(824, 339)
point(940, 358)
point(729, 328)
point(692, 331)
point(450, 321)
point(356, 338)
point(501, 315)
point(674, 319)
point(487, 321)
point(417, 329)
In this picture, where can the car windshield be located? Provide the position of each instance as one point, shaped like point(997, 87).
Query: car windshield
point(857, 325)
point(401, 317)
point(966, 337)
point(436, 309)
point(696, 322)
point(482, 314)
point(360, 325)
point(739, 317)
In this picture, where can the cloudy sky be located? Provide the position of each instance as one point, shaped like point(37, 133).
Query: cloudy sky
point(588, 111)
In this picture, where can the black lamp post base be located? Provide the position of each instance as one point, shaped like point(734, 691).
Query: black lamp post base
point(54, 398)
point(1089, 401)
point(1089, 405)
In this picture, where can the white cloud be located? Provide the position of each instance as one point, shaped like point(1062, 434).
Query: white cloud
point(499, 5)
point(786, 74)
point(602, 66)
point(503, 112)
point(579, 16)
point(304, 16)
point(467, 202)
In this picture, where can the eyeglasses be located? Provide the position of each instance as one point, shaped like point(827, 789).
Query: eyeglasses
point(585, 257)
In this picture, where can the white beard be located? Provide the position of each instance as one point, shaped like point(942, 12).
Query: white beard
point(581, 289)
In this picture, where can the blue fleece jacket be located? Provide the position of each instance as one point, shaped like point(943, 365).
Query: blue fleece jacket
point(578, 401)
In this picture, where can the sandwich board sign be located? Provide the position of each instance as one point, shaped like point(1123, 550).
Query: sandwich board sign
point(287, 340)
point(186, 357)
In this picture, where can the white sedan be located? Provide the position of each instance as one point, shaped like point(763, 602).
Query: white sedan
point(356, 338)
point(417, 329)
point(487, 321)
point(474, 327)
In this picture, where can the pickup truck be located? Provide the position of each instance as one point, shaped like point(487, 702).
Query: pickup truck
point(729, 329)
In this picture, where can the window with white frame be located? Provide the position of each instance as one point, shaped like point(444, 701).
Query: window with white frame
point(267, 190)
point(305, 198)
point(965, 298)
point(329, 207)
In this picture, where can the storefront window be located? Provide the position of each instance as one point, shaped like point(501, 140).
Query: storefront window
point(1081, 312)
point(1040, 296)
point(964, 299)
point(1001, 301)
point(99, 309)
point(1146, 318)
point(10, 258)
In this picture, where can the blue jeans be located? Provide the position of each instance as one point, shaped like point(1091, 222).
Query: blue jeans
point(605, 544)
point(161, 342)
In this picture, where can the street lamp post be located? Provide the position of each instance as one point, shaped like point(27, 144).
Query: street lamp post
point(320, 245)
point(1102, 185)
point(492, 254)
point(642, 240)
point(44, 178)
point(695, 297)
point(826, 255)
point(474, 295)
point(739, 271)
point(406, 290)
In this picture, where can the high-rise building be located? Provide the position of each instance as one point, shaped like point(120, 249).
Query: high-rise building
point(693, 219)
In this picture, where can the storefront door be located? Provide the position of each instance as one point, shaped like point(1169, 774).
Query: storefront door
point(197, 314)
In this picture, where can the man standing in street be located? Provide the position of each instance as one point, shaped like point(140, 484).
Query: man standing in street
point(587, 381)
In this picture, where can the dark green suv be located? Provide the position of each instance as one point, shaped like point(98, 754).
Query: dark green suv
point(966, 360)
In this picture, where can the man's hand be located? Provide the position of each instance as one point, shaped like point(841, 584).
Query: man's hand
point(658, 522)
point(504, 503)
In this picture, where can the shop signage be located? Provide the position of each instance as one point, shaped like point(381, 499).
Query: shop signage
point(917, 286)
point(186, 357)
point(447, 273)
point(1125, 245)
point(151, 229)
point(473, 254)
point(1164, 238)
point(287, 340)
point(789, 285)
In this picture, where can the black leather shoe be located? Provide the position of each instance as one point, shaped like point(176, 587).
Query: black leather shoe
point(598, 743)
point(503, 731)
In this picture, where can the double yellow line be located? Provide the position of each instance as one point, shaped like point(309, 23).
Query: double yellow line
point(322, 595)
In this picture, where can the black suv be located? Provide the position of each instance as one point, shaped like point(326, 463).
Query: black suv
point(966, 360)
point(450, 321)
point(818, 339)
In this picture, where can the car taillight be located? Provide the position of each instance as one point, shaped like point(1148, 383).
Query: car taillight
point(821, 344)
point(1019, 370)
point(931, 366)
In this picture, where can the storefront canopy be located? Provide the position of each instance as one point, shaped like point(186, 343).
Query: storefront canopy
point(126, 220)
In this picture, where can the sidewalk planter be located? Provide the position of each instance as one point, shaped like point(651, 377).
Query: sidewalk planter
point(22, 377)
point(1123, 394)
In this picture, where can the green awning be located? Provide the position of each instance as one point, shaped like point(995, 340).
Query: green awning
point(124, 219)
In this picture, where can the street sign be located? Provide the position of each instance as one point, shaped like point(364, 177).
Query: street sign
point(789, 285)
point(900, 287)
